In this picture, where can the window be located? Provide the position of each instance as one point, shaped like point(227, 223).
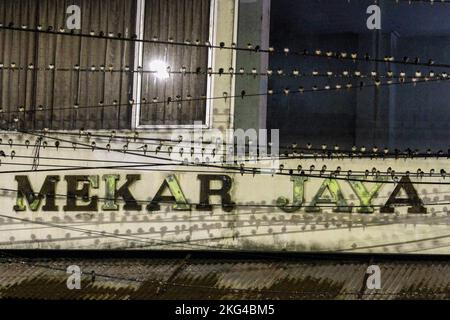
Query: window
point(181, 21)
point(399, 116)
point(55, 94)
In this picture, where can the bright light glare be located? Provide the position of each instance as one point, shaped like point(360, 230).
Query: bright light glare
point(160, 69)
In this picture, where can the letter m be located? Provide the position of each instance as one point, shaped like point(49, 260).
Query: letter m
point(25, 192)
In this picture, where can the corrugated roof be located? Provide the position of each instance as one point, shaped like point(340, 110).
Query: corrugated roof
point(221, 276)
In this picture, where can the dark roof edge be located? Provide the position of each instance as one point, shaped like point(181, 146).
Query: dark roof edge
point(218, 255)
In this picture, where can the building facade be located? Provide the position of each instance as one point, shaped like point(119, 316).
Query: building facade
point(118, 136)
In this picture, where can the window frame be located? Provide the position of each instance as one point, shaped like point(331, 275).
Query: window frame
point(137, 78)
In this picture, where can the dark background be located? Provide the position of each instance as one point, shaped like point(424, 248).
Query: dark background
point(399, 116)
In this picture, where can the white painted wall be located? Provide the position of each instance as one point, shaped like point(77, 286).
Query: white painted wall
point(245, 228)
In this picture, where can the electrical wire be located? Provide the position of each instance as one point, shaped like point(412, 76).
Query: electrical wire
point(241, 170)
point(148, 242)
point(324, 172)
point(278, 73)
point(242, 95)
point(237, 205)
point(295, 149)
point(318, 53)
point(191, 242)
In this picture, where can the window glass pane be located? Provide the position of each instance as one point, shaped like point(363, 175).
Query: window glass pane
point(401, 115)
point(178, 21)
point(49, 96)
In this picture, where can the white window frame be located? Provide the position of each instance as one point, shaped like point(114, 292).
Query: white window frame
point(138, 61)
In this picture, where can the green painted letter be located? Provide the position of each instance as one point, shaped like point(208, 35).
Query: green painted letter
point(365, 196)
point(177, 196)
point(25, 192)
point(298, 197)
point(336, 197)
point(112, 193)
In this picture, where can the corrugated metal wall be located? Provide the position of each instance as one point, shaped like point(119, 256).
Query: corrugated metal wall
point(229, 276)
